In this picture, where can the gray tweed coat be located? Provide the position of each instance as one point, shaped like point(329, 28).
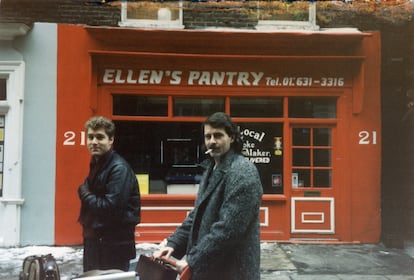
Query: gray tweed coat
point(221, 236)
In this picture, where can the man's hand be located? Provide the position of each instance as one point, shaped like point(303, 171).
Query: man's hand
point(83, 191)
point(181, 264)
point(163, 252)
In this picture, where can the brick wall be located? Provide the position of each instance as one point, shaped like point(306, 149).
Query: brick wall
point(202, 14)
point(220, 14)
point(59, 11)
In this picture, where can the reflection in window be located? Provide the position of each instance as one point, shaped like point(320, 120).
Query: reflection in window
point(312, 107)
point(197, 106)
point(311, 157)
point(321, 136)
point(136, 105)
point(256, 107)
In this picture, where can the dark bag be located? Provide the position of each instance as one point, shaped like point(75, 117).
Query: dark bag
point(42, 267)
point(149, 268)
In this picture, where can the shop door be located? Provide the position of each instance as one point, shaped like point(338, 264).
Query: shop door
point(313, 183)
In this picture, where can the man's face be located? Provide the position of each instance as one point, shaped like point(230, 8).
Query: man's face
point(217, 139)
point(98, 142)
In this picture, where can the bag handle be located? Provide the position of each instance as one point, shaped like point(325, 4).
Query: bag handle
point(185, 274)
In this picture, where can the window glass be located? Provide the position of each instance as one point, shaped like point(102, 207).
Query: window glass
point(256, 107)
point(136, 105)
point(322, 157)
point(2, 124)
point(301, 157)
point(322, 178)
point(168, 153)
point(301, 178)
point(312, 107)
point(301, 136)
point(3, 84)
point(165, 154)
point(197, 106)
point(311, 157)
point(322, 137)
point(263, 145)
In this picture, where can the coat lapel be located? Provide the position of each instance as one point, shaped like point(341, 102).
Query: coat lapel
point(214, 178)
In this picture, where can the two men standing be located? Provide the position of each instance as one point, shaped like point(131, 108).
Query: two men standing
point(219, 239)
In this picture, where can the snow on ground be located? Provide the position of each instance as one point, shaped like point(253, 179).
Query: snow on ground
point(69, 259)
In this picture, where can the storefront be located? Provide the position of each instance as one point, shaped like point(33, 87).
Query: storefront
point(307, 104)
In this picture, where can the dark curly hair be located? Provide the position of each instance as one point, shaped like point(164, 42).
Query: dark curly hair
point(221, 120)
point(99, 122)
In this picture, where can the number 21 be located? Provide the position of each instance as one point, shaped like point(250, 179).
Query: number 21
point(367, 137)
point(70, 138)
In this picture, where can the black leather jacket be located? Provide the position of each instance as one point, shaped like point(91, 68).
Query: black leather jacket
point(110, 205)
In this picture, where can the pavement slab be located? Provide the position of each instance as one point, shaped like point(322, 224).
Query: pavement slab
point(349, 259)
point(279, 261)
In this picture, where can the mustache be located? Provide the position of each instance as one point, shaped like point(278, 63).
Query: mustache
point(210, 149)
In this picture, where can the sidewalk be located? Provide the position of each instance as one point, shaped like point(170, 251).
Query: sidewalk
point(278, 261)
point(331, 262)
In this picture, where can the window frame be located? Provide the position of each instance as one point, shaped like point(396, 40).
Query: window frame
point(12, 109)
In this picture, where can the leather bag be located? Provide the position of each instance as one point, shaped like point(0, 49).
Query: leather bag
point(149, 268)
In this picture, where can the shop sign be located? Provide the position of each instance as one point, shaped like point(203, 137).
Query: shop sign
point(215, 78)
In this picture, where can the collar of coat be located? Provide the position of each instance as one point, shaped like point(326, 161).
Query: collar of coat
point(225, 161)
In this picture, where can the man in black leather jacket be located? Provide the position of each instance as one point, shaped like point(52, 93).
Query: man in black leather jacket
point(110, 202)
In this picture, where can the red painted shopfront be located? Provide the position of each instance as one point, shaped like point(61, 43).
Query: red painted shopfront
point(307, 104)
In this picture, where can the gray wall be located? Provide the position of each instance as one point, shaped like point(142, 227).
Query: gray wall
point(39, 50)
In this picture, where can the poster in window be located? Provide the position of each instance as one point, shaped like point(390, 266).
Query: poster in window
point(276, 180)
point(181, 152)
point(295, 180)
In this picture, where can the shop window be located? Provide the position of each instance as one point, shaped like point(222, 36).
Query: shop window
point(262, 145)
point(197, 106)
point(167, 154)
point(311, 157)
point(136, 105)
point(256, 107)
point(312, 107)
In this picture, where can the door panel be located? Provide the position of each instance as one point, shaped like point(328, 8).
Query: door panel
point(313, 215)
